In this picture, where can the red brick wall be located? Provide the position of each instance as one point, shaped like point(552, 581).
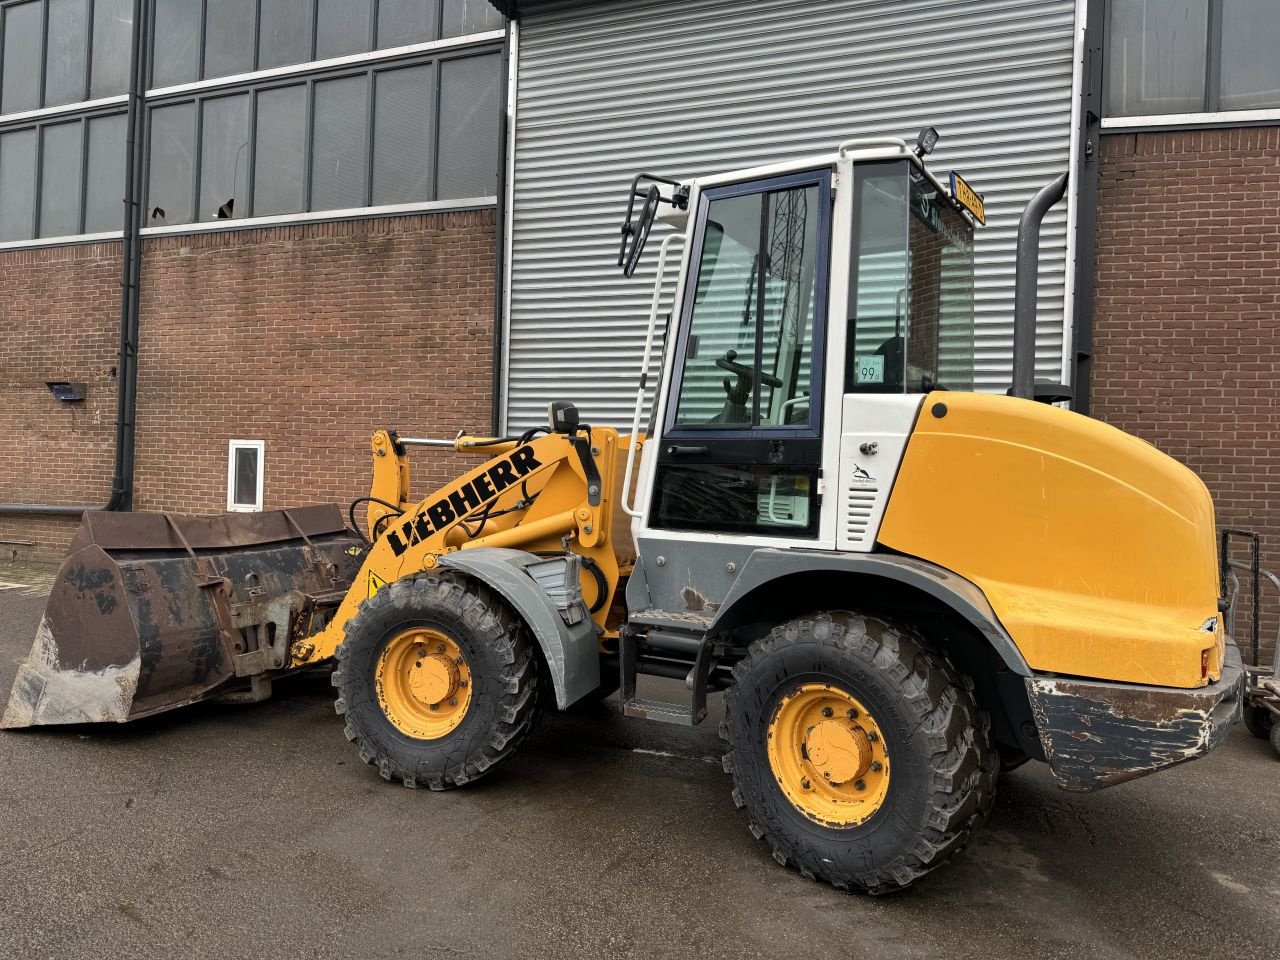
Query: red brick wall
point(306, 337)
point(1187, 321)
point(61, 322)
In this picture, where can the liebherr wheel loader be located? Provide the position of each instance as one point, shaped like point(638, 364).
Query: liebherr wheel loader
point(901, 586)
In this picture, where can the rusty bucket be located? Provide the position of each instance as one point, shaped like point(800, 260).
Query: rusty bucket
point(152, 611)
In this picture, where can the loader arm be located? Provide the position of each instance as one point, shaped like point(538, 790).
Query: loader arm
point(551, 494)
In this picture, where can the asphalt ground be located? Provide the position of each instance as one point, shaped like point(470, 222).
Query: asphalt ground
point(256, 832)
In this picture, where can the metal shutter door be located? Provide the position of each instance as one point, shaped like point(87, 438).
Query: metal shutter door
point(697, 87)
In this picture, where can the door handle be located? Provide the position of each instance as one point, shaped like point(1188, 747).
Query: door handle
point(676, 450)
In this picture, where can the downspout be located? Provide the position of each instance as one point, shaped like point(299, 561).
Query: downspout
point(1024, 288)
point(500, 239)
point(126, 365)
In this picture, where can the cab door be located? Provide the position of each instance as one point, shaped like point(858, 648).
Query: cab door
point(740, 446)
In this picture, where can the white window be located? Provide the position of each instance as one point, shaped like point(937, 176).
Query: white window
point(244, 475)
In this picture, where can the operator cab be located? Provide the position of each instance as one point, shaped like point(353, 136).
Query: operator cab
point(811, 293)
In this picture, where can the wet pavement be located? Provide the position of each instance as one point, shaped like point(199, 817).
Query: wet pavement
point(256, 832)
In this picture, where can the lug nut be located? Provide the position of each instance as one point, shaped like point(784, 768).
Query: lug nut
point(453, 701)
point(826, 775)
point(431, 706)
point(462, 683)
point(418, 664)
point(852, 714)
point(860, 785)
point(439, 648)
point(876, 766)
point(805, 783)
point(826, 711)
point(873, 736)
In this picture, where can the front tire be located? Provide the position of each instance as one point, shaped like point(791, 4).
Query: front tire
point(860, 756)
point(438, 681)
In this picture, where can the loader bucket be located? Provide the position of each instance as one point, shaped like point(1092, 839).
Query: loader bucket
point(152, 611)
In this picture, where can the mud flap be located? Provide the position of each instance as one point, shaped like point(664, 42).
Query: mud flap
point(152, 611)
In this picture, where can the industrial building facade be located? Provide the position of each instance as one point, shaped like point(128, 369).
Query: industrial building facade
point(405, 213)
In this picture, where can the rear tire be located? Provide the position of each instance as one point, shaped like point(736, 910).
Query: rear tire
point(933, 739)
point(498, 693)
point(1259, 720)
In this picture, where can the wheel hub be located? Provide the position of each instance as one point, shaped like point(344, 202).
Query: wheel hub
point(423, 683)
point(828, 755)
point(839, 750)
point(434, 679)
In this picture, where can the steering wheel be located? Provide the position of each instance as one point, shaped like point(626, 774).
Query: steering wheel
point(728, 362)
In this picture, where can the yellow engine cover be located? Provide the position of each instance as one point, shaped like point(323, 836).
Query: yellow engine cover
point(1096, 550)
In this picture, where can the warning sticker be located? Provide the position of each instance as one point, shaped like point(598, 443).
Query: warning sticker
point(376, 583)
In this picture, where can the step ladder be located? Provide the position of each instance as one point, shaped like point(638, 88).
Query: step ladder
point(660, 643)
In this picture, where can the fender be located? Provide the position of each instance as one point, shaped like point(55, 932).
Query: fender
point(571, 650)
point(961, 595)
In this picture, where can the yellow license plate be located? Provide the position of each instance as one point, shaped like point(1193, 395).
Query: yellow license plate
point(968, 198)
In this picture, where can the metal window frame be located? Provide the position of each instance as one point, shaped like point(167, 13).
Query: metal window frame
point(38, 125)
point(233, 446)
point(370, 63)
point(1211, 114)
point(820, 177)
point(368, 67)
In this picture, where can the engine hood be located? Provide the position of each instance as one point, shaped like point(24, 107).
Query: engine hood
point(1096, 550)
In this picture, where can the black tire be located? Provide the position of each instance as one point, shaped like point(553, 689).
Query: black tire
point(504, 675)
point(944, 767)
point(1275, 737)
point(1260, 721)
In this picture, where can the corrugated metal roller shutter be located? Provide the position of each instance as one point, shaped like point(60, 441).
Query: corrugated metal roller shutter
point(691, 88)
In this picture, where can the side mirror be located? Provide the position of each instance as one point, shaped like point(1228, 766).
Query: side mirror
point(636, 233)
point(635, 230)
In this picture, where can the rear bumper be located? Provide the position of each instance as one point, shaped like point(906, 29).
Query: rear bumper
point(1096, 734)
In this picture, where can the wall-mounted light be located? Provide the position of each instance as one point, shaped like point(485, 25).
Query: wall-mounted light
point(65, 391)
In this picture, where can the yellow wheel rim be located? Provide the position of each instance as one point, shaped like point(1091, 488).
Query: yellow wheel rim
point(828, 755)
point(423, 683)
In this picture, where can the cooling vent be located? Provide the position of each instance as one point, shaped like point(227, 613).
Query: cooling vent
point(860, 504)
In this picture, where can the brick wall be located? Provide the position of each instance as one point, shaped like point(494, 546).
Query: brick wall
point(305, 337)
point(61, 322)
point(1187, 323)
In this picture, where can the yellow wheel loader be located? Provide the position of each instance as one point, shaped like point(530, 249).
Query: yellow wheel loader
point(902, 586)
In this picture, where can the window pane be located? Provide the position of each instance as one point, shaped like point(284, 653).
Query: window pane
point(343, 27)
point(176, 44)
point(726, 276)
point(402, 136)
point(228, 37)
point(246, 477)
point(17, 184)
point(280, 151)
point(469, 16)
point(469, 127)
point(224, 158)
point(1250, 68)
point(104, 191)
point(878, 275)
point(285, 34)
point(20, 84)
point(338, 144)
point(405, 21)
point(60, 180)
point(172, 147)
point(1156, 56)
point(66, 54)
point(112, 44)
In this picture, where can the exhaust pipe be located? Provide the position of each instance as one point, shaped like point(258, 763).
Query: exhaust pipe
point(1024, 295)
